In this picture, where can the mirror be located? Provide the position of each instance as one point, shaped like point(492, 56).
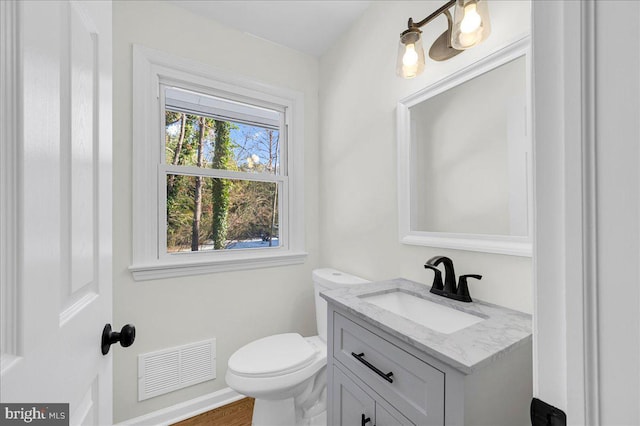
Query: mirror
point(465, 158)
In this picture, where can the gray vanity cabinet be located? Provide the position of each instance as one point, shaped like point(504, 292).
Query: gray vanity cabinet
point(414, 388)
point(351, 403)
point(389, 416)
point(375, 374)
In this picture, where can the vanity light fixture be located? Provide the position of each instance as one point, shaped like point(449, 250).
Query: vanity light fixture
point(469, 26)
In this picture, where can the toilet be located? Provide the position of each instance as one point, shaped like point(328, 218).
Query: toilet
point(286, 373)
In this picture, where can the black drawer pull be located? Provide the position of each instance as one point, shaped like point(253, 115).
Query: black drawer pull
point(386, 376)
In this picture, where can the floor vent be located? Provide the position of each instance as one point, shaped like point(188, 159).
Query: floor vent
point(175, 368)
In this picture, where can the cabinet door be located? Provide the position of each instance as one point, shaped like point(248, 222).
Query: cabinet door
point(386, 415)
point(350, 402)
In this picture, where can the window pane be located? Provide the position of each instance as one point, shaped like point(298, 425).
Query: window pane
point(198, 141)
point(206, 213)
point(211, 132)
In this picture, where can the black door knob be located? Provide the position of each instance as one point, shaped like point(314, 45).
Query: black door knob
point(364, 420)
point(126, 337)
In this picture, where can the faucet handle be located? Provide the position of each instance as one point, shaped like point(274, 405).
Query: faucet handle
point(463, 288)
point(437, 278)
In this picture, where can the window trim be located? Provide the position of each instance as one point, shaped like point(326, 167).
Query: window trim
point(151, 68)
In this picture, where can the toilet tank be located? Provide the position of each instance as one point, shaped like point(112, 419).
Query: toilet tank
point(328, 279)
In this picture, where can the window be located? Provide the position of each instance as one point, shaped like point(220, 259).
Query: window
point(217, 170)
point(223, 173)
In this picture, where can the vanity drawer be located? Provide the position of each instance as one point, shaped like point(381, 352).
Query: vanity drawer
point(415, 388)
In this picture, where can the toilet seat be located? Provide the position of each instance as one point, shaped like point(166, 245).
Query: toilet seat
point(273, 356)
point(269, 383)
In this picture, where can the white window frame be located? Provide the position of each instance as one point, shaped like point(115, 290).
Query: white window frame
point(151, 69)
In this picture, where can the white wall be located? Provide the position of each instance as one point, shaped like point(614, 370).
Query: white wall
point(358, 185)
point(233, 307)
point(617, 140)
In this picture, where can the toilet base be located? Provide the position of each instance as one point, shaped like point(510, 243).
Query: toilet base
point(318, 420)
point(273, 412)
point(282, 413)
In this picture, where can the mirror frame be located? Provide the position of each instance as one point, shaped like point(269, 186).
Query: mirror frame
point(499, 244)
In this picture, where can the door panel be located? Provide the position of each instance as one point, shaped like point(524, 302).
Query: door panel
point(64, 221)
point(79, 145)
point(83, 140)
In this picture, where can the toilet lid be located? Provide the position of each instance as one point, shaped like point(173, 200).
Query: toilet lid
point(273, 355)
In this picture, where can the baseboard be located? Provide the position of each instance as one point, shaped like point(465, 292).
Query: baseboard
point(186, 409)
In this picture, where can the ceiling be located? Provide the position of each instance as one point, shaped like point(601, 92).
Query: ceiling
point(309, 26)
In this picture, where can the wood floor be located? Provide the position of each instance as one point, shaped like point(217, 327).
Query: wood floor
point(237, 413)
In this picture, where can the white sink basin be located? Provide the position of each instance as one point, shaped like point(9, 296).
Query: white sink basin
point(432, 315)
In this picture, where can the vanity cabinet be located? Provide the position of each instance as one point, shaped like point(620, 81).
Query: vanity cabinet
point(353, 405)
point(413, 386)
point(374, 374)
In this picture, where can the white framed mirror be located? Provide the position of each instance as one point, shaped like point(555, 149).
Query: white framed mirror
point(464, 158)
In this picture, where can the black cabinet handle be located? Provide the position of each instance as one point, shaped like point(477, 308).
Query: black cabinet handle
point(365, 421)
point(386, 376)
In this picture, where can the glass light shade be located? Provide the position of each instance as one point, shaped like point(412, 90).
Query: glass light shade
point(410, 56)
point(471, 24)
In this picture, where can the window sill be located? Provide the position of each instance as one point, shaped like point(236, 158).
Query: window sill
point(171, 269)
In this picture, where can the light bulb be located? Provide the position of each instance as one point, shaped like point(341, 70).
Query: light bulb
point(410, 58)
point(471, 24)
point(468, 39)
point(410, 71)
point(472, 20)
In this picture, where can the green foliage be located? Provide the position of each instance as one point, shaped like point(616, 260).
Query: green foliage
point(230, 210)
point(251, 209)
point(180, 213)
point(220, 187)
point(172, 117)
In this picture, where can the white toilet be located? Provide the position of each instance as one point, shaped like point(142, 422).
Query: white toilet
point(286, 373)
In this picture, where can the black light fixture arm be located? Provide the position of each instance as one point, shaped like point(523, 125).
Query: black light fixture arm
point(444, 8)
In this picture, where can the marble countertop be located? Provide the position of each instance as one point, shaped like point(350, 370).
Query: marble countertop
point(466, 350)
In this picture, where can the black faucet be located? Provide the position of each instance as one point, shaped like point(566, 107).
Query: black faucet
point(449, 288)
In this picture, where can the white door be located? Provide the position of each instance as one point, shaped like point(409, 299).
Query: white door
point(57, 271)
